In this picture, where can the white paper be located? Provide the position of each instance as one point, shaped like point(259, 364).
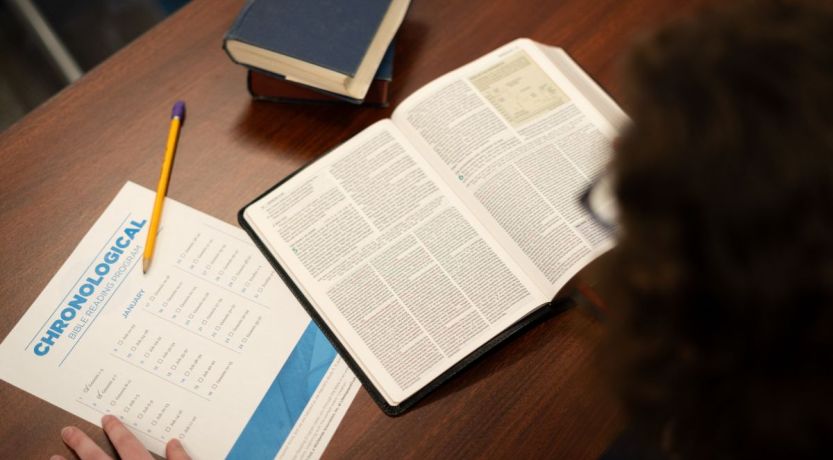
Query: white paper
point(195, 349)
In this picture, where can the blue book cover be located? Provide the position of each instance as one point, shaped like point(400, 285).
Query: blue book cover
point(333, 34)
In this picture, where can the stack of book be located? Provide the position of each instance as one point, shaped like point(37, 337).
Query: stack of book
point(317, 50)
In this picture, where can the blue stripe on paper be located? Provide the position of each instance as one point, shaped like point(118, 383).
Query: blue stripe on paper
point(286, 398)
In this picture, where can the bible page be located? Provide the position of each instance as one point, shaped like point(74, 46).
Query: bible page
point(400, 270)
point(519, 134)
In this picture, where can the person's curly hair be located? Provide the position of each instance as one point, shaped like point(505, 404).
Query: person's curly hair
point(722, 335)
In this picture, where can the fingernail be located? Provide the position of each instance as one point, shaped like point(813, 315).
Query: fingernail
point(106, 419)
point(65, 432)
point(175, 443)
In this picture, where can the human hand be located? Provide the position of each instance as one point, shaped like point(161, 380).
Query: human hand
point(126, 444)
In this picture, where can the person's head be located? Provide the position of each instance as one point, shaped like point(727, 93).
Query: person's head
point(723, 338)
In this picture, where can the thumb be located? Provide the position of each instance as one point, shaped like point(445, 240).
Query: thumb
point(175, 451)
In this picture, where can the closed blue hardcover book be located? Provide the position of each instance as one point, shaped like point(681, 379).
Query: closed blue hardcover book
point(333, 34)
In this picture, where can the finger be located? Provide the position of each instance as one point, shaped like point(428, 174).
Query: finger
point(123, 440)
point(85, 447)
point(175, 451)
point(57, 457)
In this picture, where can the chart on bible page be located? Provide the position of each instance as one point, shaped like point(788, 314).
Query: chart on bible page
point(209, 337)
point(519, 89)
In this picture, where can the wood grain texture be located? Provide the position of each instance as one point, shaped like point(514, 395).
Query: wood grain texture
point(61, 165)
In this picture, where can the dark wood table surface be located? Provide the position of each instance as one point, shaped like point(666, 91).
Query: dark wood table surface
point(537, 396)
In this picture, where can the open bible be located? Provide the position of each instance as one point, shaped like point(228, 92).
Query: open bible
point(431, 236)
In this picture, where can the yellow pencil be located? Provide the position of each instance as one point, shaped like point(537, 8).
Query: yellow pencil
point(177, 117)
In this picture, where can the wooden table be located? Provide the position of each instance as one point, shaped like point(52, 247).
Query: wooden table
point(60, 166)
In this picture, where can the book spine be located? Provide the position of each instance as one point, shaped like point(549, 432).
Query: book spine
point(232, 32)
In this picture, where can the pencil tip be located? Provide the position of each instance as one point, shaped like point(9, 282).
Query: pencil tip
point(145, 265)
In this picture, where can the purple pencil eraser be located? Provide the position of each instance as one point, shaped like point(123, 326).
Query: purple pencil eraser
point(179, 111)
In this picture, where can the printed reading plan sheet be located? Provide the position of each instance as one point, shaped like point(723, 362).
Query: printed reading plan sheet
point(209, 346)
